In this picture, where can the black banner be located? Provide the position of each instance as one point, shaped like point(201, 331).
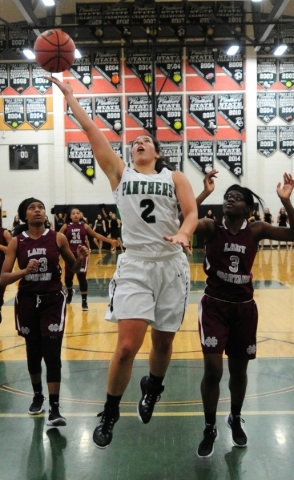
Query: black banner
point(231, 108)
point(38, 81)
point(202, 109)
point(170, 110)
point(3, 42)
point(286, 72)
point(169, 62)
point(286, 140)
point(3, 77)
point(140, 64)
point(172, 13)
point(229, 154)
point(200, 153)
point(81, 157)
point(201, 13)
point(82, 69)
point(266, 106)
point(18, 38)
point(203, 64)
point(86, 12)
point(14, 112)
point(266, 72)
point(108, 109)
point(106, 62)
point(140, 109)
point(173, 151)
point(23, 157)
point(86, 103)
point(286, 106)
point(232, 65)
point(19, 77)
point(36, 112)
point(144, 14)
point(117, 148)
point(266, 140)
point(230, 12)
point(117, 15)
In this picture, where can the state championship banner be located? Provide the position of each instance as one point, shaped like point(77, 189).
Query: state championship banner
point(140, 64)
point(200, 153)
point(81, 157)
point(169, 62)
point(286, 140)
point(14, 112)
point(266, 72)
point(232, 65)
point(266, 140)
point(82, 69)
point(203, 64)
point(170, 110)
point(106, 62)
point(266, 106)
point(229, 154)
point(173, 151)
point(108, 109)
point(202, 109)
point(140, 109)
point(231, 108)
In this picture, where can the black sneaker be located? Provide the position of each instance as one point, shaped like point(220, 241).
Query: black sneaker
point(150, 395)
point(238, 435)
point(70, 293)
point(85, 305)
point(55, 419)
point(102, 435)
point(37, 406)
point(206, 447)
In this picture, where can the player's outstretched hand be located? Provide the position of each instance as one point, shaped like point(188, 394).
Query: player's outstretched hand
point(66, 88)
point(284, 191)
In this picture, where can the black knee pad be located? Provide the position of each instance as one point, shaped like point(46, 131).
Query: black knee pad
point(34, 354)
point(52, 354)
point(82, 282)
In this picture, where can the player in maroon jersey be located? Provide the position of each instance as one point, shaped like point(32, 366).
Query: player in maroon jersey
point(76, 233)
point(5, 238)
point(40, 303)
point(227, 311)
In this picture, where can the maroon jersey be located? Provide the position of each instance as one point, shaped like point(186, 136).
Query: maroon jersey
point(76, 235)
point(228, 263)
point(44, 249)
point(2, 242)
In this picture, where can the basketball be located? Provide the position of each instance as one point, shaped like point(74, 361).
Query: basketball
point(54, 51)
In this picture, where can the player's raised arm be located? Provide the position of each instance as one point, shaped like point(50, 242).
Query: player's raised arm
point(110, 163)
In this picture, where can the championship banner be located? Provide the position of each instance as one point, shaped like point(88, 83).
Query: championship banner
point(170, 110)
point(229, 154)
point(18, 38)
point(108, 109)
point(19, 77)
point(232, 65)
point(3, 42)
point(203, 64)
point(172, 14)
point(3, 77)
point(117, 148)
point(86, 103)
point(266, 106)
point(82, 69)
point(38, 81)
point(169, 62)
point(85, 12)
point(286, 106)
point(200, 153)
point(266, 140)
point(140, 109)
point(286, 72)
point(202, 109)
point(266, 72)
point(140, 64)
point(144, 14)
point(36, 112)
point(81, 157)
point(117, 15)
point(173, 151)
point(14, 112)
point(286, 140)
point(201, 13)
point(106, 62)
point(231, 108)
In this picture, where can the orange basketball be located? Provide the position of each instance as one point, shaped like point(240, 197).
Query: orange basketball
point(55, 51)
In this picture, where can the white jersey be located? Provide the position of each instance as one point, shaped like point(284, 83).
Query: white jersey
point(148, 210)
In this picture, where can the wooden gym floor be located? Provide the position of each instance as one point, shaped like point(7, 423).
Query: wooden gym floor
point(165, 448)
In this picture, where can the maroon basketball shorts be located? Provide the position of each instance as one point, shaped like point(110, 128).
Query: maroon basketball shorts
point(37, 315)
point(229, 327)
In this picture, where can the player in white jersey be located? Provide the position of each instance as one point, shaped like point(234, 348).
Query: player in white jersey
point(151, 282)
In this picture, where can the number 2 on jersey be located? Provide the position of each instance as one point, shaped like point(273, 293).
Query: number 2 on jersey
point(148, 206)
